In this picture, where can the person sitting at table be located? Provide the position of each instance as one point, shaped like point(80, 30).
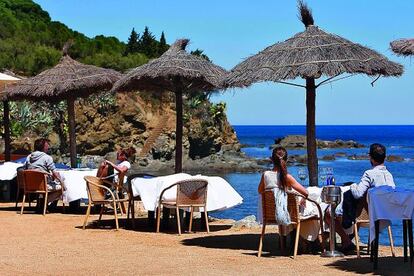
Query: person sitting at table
point(280, 179)
point(377, 176)
point(121, 166)
point(40, 160)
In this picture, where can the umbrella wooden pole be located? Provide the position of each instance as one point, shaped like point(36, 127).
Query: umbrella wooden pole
point(310, 132)
point(179, 132)
point(6, 125)
point(72, 135)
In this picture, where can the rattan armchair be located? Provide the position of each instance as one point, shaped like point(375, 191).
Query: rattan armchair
point(97, 196)
point(268, 213)
point(362, 220)
point(191, 194)
point(35, 182)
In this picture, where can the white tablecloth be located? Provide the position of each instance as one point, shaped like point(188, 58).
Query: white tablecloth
point(75, 184)
point(386, 203)
point(8, 170)
point(220, 194)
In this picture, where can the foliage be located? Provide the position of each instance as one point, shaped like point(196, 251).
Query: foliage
point(218, 111)
point(30, 42)
point(133, 43)
point(162, 46)
point(24, 119)
point(200, 53)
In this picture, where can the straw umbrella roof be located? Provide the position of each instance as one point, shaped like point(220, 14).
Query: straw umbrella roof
point(403, 47)
point(311, 54)
point(179, 72)
point(175, 69)
point(68, 79)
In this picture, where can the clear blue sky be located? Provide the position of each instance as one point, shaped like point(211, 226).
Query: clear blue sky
point(229, 31)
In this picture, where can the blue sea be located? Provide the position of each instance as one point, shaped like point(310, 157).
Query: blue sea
point(399, 140)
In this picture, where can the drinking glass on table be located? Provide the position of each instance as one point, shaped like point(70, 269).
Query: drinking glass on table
point(323, 173)
point(302, 174)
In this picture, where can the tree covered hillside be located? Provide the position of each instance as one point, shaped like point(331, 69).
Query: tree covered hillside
point(31, 42)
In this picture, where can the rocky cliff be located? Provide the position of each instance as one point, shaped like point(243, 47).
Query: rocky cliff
point(134, 118)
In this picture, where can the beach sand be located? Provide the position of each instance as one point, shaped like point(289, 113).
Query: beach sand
point(55, 244)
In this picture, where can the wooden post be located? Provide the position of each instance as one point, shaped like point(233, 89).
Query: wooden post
point(310, 132)
point(179, 131)
point(72, 134)
point(6, 125)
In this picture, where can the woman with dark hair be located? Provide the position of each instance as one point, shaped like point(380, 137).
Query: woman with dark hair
point(279, 176)
point(121, 167)
point(279, 181)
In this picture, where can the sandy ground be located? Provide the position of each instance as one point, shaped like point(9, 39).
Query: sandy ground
point(55, 244)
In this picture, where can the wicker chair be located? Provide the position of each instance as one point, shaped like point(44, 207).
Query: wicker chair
point(20, 185)
point(362, 220)
point(119, 189)
point(190, 193)
point(132, 199)
point(269, 209)
point(35, 182)
point(96, 194)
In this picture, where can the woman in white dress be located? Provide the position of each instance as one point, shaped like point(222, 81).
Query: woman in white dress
point(279, 178)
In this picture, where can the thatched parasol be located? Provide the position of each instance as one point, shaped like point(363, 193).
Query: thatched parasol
point(68, 80)
point(310, 55)
point(403, 47)
point(179, 72)
point(4, 81)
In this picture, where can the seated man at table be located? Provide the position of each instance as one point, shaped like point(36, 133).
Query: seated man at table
point(40, 160)
point(377, 176)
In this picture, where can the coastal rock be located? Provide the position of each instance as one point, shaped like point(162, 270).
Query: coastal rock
point(328, 157)
point(299, 142)
point(358, 157)
point(247, 222)
point(340, 154)
point(395, 158)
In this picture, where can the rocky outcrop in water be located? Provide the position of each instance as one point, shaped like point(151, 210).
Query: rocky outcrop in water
point(299, 142)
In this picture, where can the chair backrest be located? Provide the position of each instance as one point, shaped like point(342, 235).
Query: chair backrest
point(362, 209)
point(192, 192)
point(96, 191)
point(20, 178)
point(268, 207)
point(293, 207)
point(34, 181)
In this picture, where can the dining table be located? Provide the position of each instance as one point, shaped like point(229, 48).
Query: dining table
point(73, 179)
point(386, 204)
point(220, 194)
point(75, 183)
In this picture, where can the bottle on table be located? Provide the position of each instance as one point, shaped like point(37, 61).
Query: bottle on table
point(78, 161)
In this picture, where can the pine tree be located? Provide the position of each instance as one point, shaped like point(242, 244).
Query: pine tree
point(200, 53)
point(162, 46)
point(133, 43)
point(148, 44)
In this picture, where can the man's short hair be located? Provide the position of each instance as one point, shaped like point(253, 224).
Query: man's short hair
point(377, 153)
point(39, 144)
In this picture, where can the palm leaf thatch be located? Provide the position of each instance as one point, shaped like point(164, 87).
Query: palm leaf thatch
point(68, 79)
point(177, 71)
point(403, 47)
point(310, 55)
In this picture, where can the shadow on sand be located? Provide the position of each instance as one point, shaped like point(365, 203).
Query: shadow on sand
point(143, 225)
point(239, 242)
point(386, 266)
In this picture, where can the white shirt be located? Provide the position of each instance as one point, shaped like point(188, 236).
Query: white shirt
point(122, 164)
point(375, 177)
